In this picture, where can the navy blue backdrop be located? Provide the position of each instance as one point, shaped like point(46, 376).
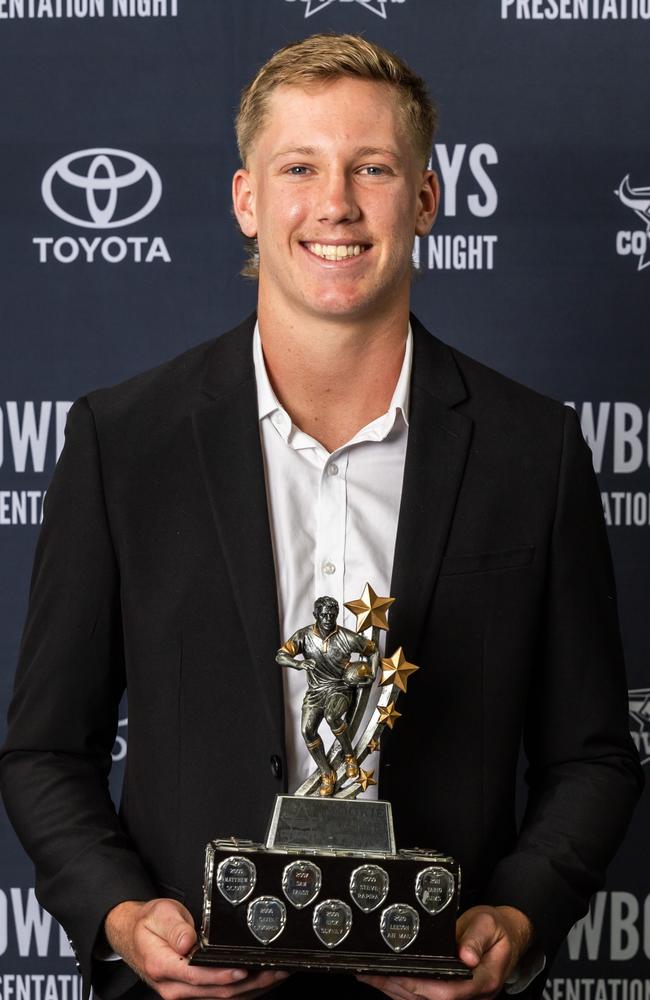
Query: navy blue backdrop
point(539, 265)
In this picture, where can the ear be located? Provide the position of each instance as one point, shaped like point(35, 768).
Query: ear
point(243, 200)
point(428, 201)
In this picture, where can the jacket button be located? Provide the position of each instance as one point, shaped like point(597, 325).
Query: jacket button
point(276, 766)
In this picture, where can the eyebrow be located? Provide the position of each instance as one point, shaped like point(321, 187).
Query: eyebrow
point(378, 151)
point(300, 150)
point(361, 151)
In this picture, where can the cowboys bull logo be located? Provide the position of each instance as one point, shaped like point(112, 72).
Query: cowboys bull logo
point(636, 242)
point(640, 721)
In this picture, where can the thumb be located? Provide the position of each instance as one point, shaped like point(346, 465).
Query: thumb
point(470, 952)
point(476, 937)
point(171, 921)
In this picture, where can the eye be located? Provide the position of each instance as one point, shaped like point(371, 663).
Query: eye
point(372, 170)
point(297, 171)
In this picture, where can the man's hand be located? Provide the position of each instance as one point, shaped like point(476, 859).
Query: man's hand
point(154, 938)
point(491, 940)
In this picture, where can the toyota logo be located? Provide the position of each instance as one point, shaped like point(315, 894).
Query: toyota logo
point(102, 175)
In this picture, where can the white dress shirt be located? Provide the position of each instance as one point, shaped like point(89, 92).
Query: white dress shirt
point(333, 520)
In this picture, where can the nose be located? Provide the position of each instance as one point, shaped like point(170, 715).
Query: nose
point(338, 202)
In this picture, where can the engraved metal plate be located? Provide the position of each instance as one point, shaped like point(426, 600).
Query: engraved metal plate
point(301, 882)
point(369, 887)
point(266, 918)
point(399, 926)
point(236, 877)
point(332, 921)
point(434, 888)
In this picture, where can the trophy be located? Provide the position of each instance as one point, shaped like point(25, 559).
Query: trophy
point(328, 889)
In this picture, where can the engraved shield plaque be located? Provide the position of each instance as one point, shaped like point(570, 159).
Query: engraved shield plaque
point(266, 918)
point(399, 926)
point(369, 887)
point(301, 882)
point(236, 877)
point(332, 921)
point(434, 888)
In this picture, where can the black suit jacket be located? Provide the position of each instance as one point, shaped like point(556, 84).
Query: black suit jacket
point(155, 571)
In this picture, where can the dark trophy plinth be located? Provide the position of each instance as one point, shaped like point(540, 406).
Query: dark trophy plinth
point(328, 890)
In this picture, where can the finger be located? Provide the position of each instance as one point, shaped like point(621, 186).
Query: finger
point(253, 985)
point(390, 986)
point(238, 980)
point(166, 970)
point(494, 966)
point(487, 982)
point(259, 983)
point(172, 922)
point(480, 933)
point(414, 988)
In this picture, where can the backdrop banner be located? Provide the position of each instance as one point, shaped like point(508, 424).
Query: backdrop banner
point(118, 250)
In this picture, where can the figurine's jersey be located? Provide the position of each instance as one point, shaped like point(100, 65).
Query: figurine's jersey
point(330, 657)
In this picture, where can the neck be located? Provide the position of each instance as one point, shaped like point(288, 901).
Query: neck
point(331, 377)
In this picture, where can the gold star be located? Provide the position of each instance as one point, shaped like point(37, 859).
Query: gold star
point(373, 745)
point(396, 669)
point(389, 714)
point(366, 779)
point(370, 609)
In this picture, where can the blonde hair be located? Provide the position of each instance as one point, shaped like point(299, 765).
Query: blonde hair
point(324, 57)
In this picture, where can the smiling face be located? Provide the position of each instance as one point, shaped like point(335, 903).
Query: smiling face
point(335, 194)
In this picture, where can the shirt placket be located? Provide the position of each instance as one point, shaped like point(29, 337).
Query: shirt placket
point(329, 567)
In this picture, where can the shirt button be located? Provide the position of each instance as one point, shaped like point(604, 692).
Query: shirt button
point(332, 469)
point(329, 568)
point(276, 766)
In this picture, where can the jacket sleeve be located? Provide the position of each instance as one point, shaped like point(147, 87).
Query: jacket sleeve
point(583, 774)
point(56, 759)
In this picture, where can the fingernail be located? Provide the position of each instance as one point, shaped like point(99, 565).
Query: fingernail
point(239, 974)
point(282, 975)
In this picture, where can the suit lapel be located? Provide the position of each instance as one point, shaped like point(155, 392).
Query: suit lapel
point(438, 444)
point(226, 433)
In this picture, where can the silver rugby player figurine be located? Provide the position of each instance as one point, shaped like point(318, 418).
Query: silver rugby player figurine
point(338, 690)
point(332, 680)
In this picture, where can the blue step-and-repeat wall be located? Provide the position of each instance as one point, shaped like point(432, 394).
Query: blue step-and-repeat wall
point(539, 265)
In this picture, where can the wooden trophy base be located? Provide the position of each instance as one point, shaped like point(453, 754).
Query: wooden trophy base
point(329, 892)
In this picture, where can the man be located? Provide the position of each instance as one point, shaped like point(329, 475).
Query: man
point(193, 503)
point(326, 650)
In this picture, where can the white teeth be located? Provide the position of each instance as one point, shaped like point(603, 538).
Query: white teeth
point(332, 251)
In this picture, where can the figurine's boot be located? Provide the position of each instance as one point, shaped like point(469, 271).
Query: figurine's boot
point(351, 766)
point(327, 783)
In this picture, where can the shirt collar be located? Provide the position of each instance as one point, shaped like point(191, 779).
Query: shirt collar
point(267, 401)
point(268, 404)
